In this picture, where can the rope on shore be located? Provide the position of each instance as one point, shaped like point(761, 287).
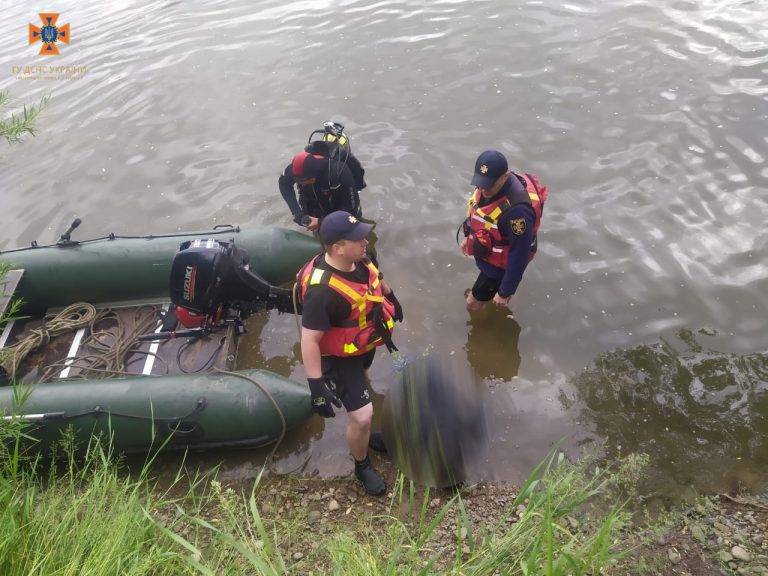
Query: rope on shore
point(73, 317)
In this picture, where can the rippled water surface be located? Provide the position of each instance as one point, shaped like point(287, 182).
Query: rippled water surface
point(647, 119)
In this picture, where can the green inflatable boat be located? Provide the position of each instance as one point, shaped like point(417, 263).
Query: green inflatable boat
point(175, 393)
point(189, 410)
point(124, 268)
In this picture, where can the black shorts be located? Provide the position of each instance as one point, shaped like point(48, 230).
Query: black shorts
point(348, 380)
point(485, 288)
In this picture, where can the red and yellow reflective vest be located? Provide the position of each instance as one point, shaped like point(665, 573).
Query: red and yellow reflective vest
point(484, 239)
point(358, 333)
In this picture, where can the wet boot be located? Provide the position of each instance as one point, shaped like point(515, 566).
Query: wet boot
point(376, 443)
point(372, 483)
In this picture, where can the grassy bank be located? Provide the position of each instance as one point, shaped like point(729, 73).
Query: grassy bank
point(83, 514)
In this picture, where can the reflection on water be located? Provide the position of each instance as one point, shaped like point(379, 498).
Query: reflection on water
point(492, 344)
point(255, 348)
point(701, 414)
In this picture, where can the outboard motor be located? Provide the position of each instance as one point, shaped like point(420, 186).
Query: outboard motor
point(209, 275)
point(212, 285)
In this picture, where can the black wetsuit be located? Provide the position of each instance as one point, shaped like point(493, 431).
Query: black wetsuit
point(336, 188)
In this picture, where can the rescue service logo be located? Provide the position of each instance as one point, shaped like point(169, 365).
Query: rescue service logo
point(51, 37)
point(518, 226)
point(49, 34)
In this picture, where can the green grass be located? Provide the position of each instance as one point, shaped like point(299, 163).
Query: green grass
point(13, 308)
point(15, 126)
point(83, 514)
point(65, 518)
point(540, 542)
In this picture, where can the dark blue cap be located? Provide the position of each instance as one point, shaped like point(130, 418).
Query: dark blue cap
point(342, 225)
point(488, 167)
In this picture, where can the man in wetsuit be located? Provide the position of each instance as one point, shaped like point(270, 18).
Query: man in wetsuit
point(328, 178)
point(348, 310)
point(500, 231)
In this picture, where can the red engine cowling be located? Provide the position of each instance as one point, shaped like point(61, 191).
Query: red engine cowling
point(188, 318)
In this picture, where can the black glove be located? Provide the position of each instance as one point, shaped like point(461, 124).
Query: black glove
point(301, 219)
point(321, 396)
point(398, 317)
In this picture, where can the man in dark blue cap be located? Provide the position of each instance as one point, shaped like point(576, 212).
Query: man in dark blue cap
point(348, 310)
point(503, 218)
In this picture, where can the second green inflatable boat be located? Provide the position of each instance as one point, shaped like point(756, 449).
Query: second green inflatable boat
point(187, 410)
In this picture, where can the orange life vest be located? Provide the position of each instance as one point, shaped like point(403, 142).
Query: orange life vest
point(359, 333)
point(484, 239)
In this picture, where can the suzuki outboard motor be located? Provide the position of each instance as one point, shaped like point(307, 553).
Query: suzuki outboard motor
point(209, 277)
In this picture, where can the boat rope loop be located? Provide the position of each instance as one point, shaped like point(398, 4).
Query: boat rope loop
point(269, 462)
point(73, 317)
point(217, 230)
point(200, 405)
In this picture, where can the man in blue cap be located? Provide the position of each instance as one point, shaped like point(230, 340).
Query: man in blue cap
point(348, 310)
point(503, 218)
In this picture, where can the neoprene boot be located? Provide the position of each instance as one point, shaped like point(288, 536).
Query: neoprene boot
point(372, 482)
point(376, 443)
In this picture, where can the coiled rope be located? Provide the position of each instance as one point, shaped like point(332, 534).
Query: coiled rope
point(73, 317)
point(111, 346)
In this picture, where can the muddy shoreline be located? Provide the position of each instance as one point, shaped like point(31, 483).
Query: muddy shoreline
point(713, 535)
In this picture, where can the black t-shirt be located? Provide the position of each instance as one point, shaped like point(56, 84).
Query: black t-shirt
point(323, 307)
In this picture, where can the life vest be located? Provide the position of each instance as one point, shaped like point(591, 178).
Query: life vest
point(369, 310)
point(484, 240)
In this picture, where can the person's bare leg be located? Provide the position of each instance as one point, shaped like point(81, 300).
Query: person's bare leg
point(359, 431)
point(473, 304)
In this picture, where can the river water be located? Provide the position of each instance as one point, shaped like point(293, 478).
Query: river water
point(647, 119)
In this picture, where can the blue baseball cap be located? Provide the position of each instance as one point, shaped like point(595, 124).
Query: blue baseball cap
point(342, 225)
point(488, 167)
